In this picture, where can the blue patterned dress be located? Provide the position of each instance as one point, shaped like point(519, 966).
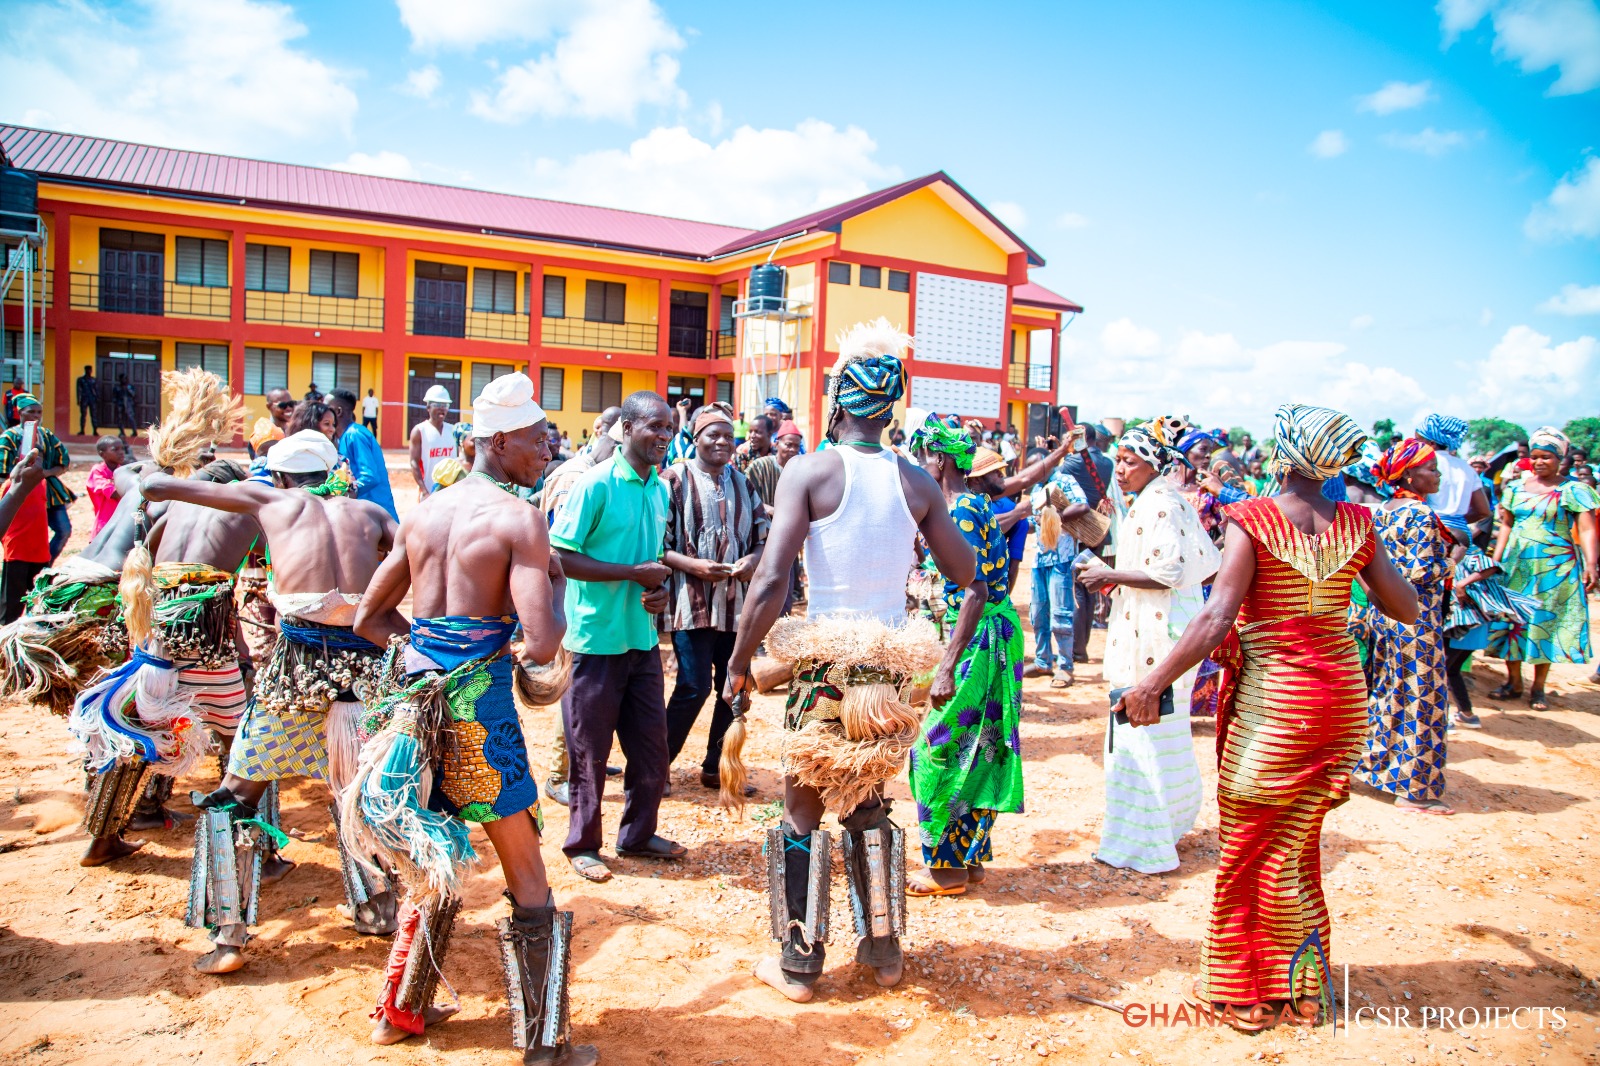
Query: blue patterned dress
point(1408, 694)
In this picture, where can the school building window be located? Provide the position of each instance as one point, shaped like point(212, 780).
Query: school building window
point(555, 296)
point(871, 277)
point(266, 268)
point(605, 301)
point(494, 291)
point(551, 379)
point(336, 370)
point(838, 273)
point(601, 389)
point(725, 390)
point(483, 373)
point(265, 369)
point(899, 281)
point(201, 261)
point(212, 357)
point(335, 274)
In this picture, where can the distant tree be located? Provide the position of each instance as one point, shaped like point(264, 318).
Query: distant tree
point(1237, 434)
point(1489, 435)
point(1585, 434)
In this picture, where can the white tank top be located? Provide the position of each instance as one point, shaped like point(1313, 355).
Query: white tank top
point(858, 558)
point(437, 445)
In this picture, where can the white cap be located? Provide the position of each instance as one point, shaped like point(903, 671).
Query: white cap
point(307, 452)
point(505, 404)
point(437, 394)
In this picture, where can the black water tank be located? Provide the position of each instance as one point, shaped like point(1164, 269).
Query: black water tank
point(19, 199)
point(767, 284)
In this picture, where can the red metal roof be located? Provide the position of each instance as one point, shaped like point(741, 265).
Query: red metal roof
point(1036, 295)
point(830, 218)
point(101, 161)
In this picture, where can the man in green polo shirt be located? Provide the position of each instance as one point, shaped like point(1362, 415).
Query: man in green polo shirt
point(611, 534)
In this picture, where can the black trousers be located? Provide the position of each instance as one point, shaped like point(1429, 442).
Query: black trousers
point(702, 671)
point(86, 414)
point(1454, 659)
point(16, 580)
point(615, 696)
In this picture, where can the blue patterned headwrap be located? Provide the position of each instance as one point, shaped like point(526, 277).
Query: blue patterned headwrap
point(1191, 438)
point(773, 403)
point(1446, 431)
point(868, 387)
point(1317, 442)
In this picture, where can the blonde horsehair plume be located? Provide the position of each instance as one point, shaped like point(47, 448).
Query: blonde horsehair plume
point(137, 591)
point(731, 772)
point(1049, 528)
point(201, 411)
point(867, 339)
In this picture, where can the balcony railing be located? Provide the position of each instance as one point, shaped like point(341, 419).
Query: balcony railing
point(305, 309)
point(686, 342)
point(606, 336)
point(494, 326)
point(42, 287)
point(147, 296)
point(1030, 376)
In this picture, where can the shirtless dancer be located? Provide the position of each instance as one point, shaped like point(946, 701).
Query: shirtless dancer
point(324, 550)
point(856, 508)
point(477, 559)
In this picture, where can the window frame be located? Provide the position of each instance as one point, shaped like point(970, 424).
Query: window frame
point(606, 385)
point(343, 270)
point(612, 301)
point(836, 267)
point(343, 364)
point(501, 291)
point(213, 261)
point(212, 357)
point(258, 374)
point(873, 272)
point(898, 280)
point(559, 290)
point(550, 399)
point(258, 266)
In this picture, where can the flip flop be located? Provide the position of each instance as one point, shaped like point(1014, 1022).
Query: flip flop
point(590, 868)
point(1539, 702)
point(1253, 1020)
point(918, 885)
point(657, 847)
point(1506, 692)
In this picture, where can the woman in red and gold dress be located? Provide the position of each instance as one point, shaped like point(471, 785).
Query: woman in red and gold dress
point(1292, 718)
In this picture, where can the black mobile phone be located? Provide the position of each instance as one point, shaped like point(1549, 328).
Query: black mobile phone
point(1167, 706)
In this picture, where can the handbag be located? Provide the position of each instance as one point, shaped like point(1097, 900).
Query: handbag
point(1089, 529)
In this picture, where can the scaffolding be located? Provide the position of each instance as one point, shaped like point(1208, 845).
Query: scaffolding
point(28, 247)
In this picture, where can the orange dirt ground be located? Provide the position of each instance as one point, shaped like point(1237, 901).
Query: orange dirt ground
point(1493, 908)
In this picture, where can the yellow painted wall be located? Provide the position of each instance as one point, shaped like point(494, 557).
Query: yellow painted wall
point(849, 304)
point(922, 226)
point(570, 415)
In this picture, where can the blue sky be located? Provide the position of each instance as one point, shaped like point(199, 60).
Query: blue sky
point(1388, 207)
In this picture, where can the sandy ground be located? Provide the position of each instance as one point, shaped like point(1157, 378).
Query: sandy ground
point(1492, 909)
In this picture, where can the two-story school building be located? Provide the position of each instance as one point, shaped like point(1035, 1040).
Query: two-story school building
point(274, 275)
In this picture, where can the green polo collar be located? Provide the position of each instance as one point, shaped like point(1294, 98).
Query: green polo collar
point(628, 473)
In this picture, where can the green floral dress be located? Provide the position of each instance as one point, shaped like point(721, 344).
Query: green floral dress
point(1542, 559)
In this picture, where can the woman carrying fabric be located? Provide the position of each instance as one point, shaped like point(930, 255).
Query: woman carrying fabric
point(1153, 787)
point(1544, 519)
point(966, 766)
point(1408, 701)
point(1293, 715)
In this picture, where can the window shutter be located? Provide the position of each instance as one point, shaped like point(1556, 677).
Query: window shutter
point(275, 370)
point(346, 274)
point(505, 292)
point(592, 390)
point(255, 271)
point(275, 276)
point(594, 303)
point(725, 320)
point(551, 380)
point(188, 355)
point(252, 372)
point(871, 277)
point(482, 290)
point(555, 296)
point(321, 273)
point(214, 269)
point(838, 273)
point(349, 376)
point(190, 262)
point(616, 303)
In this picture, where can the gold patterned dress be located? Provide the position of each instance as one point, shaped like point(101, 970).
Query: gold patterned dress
point(1292, 720)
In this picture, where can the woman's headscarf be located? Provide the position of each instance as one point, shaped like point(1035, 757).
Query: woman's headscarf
point(775, 403)
point(1315, 441)
point(463, 430)
point(1393, 464)
point(945, 436)
point(1191, 438)
point(1159, 441)
point(1445, 431)
point(1549, 439)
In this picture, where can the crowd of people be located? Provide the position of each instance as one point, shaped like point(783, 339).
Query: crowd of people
point(1321, 598)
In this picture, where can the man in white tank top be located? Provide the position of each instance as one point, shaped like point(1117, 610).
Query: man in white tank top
point(433, 440)
point(857, 508)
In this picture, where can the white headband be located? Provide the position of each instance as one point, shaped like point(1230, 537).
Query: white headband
point(307, 452)
point(505, 404)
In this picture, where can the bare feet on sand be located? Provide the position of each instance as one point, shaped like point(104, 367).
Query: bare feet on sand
point(770, 972)
point(275, 869)
point(888, 976)
point(385, 1033)
point(107, 849)
point(221, 959)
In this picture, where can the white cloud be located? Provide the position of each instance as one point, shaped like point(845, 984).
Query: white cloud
point(1572, 208)
point(614, 56)
point(1536, 34)
point(1429, 141)
point(384, 164)
point(754, 177)
point(1361, 322)
point(466, 24)
point(1071, 220)
point(1528, 379)
point(1574, 300)
point(1329, 143)
point(1012, 214)
point(214, 75)
point(1122, 339)
point(1396, 96)
point(423, 82)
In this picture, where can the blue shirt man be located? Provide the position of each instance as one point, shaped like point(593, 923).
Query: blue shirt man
point(368, 471)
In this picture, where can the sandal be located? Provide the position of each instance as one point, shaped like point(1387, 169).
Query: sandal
point(1538, 702)
point(590, 868)
point(923, 885)
point(1251, 1019)
point(656, 848)
point(1506, 692)
point(1435, 807)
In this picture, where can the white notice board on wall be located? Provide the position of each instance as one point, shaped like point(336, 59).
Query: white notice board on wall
point(977, 399)
point(960, 321)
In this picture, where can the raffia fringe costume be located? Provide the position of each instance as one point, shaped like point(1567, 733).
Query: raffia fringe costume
point(848, 727)
point(69, 630)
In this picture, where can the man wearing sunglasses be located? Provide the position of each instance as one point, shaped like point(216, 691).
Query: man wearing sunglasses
point(280, 405)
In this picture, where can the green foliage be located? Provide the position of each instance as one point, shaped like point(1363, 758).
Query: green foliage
point(1489, 435)
point(1237, 434)
point(1383, 430)
point(1585, 434)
